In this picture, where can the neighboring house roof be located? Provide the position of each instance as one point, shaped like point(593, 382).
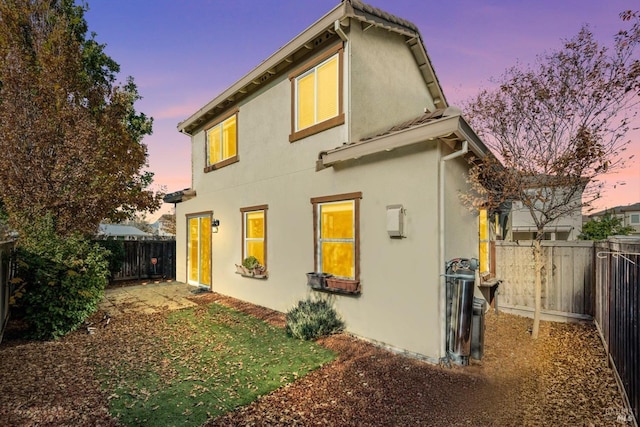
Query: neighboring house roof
point(444, 124)
point(628, 208)
point(158, 229)
point(618, 210)
point(118, 230)
point(551, 228)
point(546, 180)
point(309, 41)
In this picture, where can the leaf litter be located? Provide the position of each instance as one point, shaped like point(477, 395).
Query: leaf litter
point(562, 378)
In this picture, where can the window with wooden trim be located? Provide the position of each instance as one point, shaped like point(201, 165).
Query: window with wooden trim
point(317, 95)
point(337, 235)
point(254, 233)
point(222, 143)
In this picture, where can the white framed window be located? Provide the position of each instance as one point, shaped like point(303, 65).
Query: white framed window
point(337, 235)
point(316, 90)
point(254, 233)
point(222, 142)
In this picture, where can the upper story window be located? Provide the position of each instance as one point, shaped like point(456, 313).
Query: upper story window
point(222, 142)
point(337, 235)
point(317, 95)
point(254, 233)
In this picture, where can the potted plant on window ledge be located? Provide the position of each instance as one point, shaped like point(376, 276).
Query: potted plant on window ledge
point(343, 285)
point(251, 267)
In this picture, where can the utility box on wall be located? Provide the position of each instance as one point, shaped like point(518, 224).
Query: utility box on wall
point(395, 221)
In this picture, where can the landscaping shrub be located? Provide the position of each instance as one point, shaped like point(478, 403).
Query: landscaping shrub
point(62, 280)
point(116, 254)
point(312, 319)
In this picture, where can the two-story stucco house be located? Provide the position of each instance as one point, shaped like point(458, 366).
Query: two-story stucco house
point(337, 154)
point(551, 199)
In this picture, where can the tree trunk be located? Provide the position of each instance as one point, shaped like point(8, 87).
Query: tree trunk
point(539, 265)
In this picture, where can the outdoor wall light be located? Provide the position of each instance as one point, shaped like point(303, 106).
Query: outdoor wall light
point(215, 223)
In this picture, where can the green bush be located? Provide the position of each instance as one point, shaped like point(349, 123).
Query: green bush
point(312, 319)
point(116, 254)
point(63, 280)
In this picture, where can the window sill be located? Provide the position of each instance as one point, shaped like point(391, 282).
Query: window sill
point(221, 164)
point(319, 127)
point(255, 276)
point(338, 286)
point(263, 275)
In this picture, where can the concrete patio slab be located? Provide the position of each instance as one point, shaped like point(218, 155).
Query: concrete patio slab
point(148, 298)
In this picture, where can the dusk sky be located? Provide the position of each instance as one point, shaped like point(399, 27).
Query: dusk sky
point(183, 53)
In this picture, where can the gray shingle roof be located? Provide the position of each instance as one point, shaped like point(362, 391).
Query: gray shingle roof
point(381, 14)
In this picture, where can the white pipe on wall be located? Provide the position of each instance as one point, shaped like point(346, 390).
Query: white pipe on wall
point(346, 72)
point(441, 230)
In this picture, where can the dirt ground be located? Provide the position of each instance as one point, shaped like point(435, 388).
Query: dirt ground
point(561, 379)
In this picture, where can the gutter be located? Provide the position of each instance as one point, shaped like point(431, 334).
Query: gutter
point(453, 125)
point(337, 27)
point(441, 229)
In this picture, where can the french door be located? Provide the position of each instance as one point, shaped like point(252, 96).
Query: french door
point(199, 250)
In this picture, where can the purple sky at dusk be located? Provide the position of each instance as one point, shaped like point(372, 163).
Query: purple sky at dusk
point(183, 53)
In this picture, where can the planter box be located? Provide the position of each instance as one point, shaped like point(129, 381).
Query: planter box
point(345, 285)
point(257, 273)
point(318, 280)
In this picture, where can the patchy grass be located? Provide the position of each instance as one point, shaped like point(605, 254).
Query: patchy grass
point(205, 362)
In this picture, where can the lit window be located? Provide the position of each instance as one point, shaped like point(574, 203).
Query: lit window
point(317, 91)
point(222, 143)
point(254, 236)
point(337, 235)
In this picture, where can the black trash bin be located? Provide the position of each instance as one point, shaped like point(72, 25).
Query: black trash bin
point(477, 328)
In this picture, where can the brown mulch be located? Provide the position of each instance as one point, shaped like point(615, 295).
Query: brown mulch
point(561, 379)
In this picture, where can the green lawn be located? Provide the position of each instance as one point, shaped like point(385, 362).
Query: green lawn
point(200, 363)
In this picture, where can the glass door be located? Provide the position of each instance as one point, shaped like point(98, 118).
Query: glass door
point(199, 250)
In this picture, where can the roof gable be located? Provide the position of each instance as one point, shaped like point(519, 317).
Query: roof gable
point(313, 39)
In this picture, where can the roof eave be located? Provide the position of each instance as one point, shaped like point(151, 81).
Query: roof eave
point(341, 12)
point(454, 126)
point(317, 28)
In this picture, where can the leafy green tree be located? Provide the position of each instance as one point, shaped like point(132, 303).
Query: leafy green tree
point(72, 154)
point(603, 227)
point(556, 126)
point(70, 137)
point(60, 279)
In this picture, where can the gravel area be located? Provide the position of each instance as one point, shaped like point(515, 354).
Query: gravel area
point(560, 379)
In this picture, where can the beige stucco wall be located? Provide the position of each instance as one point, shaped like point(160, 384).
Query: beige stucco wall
point(386, 84)
point(400, 278)
point(461, 223)
point(399, 305)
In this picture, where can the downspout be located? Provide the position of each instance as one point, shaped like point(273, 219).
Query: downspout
point(337, 27)
point(442, 303)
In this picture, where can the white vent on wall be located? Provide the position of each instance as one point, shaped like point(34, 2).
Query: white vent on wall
point(395, 221)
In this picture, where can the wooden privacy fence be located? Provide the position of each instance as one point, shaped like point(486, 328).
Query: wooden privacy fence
point(617, 311)
point(567, 279)
point(147, 259)
point(6, 249)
